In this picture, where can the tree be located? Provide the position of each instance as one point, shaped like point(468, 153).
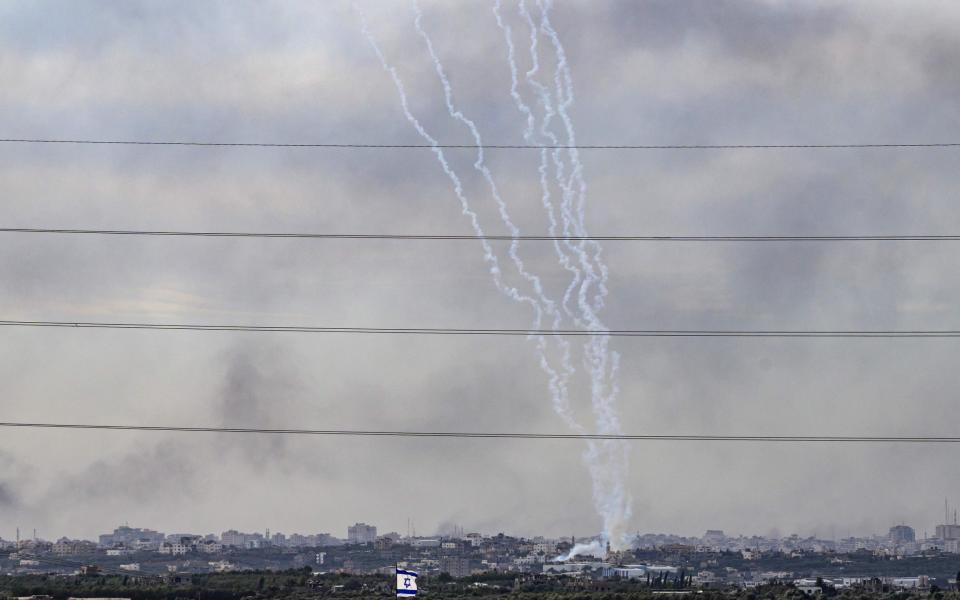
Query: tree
point(352, 585)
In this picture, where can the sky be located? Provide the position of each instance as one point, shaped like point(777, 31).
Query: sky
point(652, 72)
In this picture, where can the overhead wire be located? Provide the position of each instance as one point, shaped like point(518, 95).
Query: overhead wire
point(699, 333)
point(530, 238)
point(914, 439)
point(335, 145)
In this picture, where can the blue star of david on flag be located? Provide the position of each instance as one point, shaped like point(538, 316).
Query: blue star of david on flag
point(406, 583)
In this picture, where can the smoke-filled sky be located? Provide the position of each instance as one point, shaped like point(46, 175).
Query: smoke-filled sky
point(646, 72)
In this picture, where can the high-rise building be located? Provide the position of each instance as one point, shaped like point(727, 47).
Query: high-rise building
point(239, 539)
point(361, 533)
point(902, 534)
point(948, 532)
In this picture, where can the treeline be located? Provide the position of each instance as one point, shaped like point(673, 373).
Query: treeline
point(295, 583)
point(302, 584)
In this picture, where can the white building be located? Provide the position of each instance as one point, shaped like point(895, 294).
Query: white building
point(545, 547)
point(174, 548)
point(361, 533)
point(239, 539)
point(630, 572)
point(706, 578)
point(574, 567)
point(911, 583)
point(222, 566)
point(210, 547)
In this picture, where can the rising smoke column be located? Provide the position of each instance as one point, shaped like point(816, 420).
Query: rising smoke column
point(559, 168)
point(610, 495)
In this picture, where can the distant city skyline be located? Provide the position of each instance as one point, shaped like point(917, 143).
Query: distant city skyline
point(361, 532)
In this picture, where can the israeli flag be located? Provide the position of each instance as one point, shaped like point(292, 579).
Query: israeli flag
point(406, 583)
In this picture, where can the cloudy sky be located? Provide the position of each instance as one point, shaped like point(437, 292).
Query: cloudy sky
point(647, 72)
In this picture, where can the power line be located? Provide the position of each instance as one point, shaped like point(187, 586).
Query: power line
point(474, 147)
point(530, 238)
point(769, 333)
point(499, 435)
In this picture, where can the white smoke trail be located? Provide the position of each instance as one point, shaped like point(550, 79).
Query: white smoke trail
point(566, 89)
point(529, 136)
point(552, 141)
point(557, 383)
point(610, 457)
point(606, 460)
point(547, 305)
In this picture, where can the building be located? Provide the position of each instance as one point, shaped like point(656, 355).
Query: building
point(573, 567)
point(237, 539)
point(714, 536)
point(325, 539)
point(456, 566)
point(361, 533)
point(707, 579)
point(144, 545)
point(174, 548)
point(67, 547)
point(383, 543)
point(222, 566)
point(543, 547)
point(948, 532)
point(630, 572)
point(233, 538)
point(126, 536)
point(185, 540)
point(210, 547)
point(902, 534)
point(921, 582)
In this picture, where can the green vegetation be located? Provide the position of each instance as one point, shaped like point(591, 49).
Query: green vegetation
point(302, 584)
